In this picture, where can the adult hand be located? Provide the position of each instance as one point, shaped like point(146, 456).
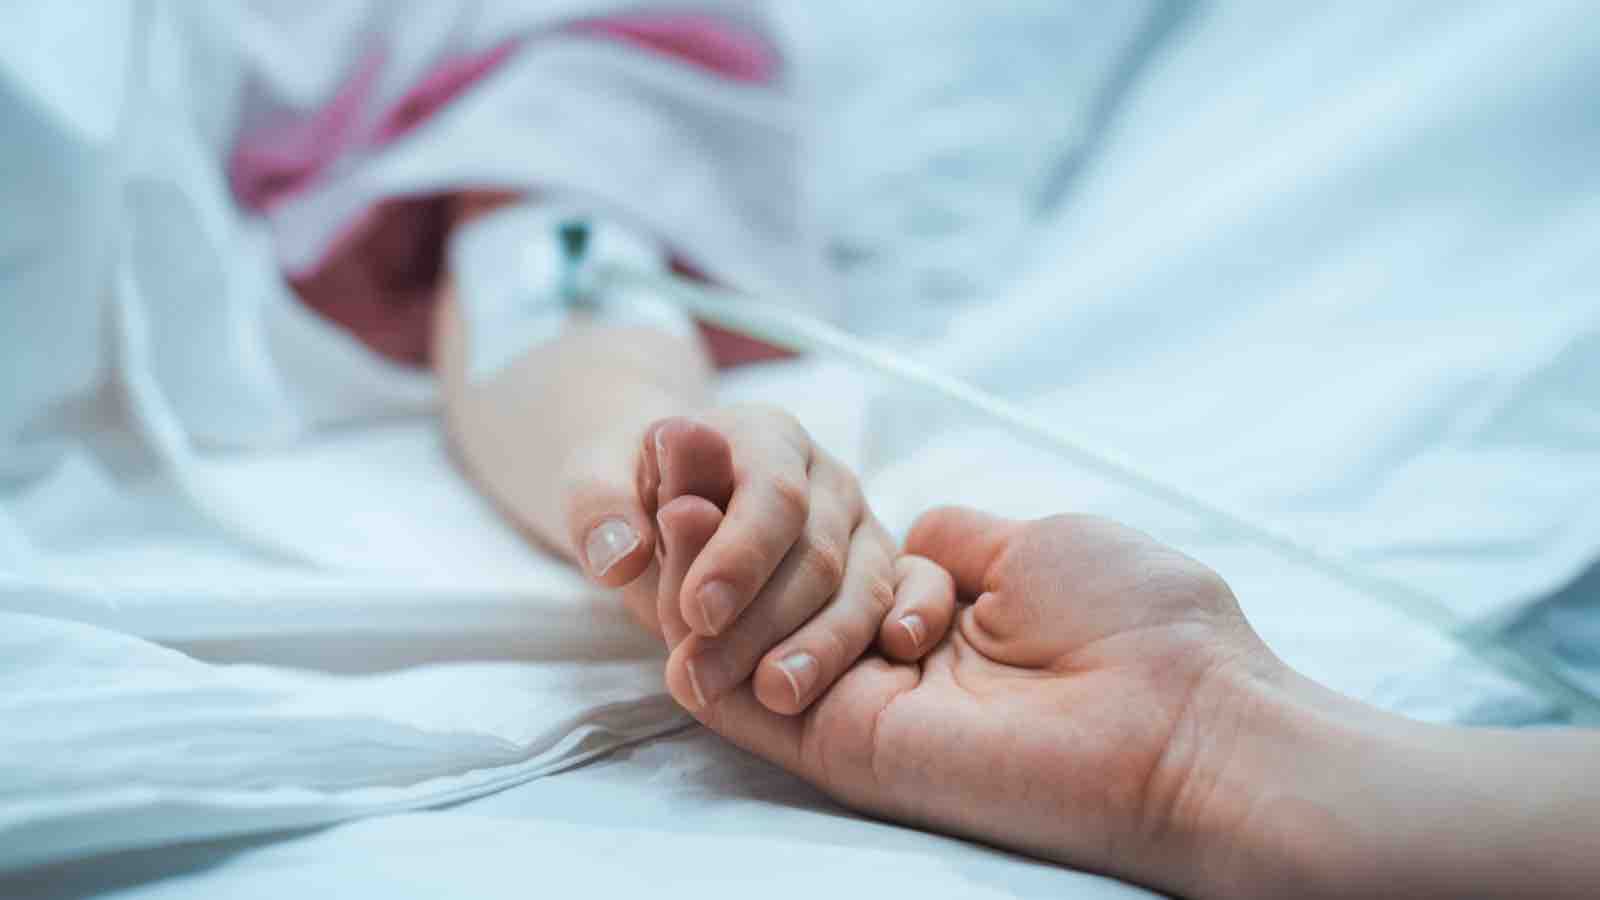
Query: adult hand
point(1076, 712)
point(1103, 703)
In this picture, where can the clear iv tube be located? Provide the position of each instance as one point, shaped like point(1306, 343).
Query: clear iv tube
point(1530, 666)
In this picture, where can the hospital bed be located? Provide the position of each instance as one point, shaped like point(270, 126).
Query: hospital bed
point(1336, 268)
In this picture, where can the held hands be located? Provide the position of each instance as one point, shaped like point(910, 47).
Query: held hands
point(752, 552)
point(1083, 709)
point(1100, 701)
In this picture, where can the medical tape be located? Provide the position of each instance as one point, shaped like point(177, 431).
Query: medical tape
point(516, 291)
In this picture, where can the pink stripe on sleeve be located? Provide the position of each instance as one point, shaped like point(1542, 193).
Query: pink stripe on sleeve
point(377, 276)
point(272, 163)
point(698, 39)
point(442, 84)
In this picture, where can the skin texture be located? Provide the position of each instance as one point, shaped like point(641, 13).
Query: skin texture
point(583, 440)
point(1054, 718)
point(1102, 703)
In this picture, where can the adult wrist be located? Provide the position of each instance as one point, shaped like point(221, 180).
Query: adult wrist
point(1264, 810)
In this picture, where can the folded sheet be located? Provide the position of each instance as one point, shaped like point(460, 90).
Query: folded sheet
point(466, 855)
point(165, 681)
point(115, 742)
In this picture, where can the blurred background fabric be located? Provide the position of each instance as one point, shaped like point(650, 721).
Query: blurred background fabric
point(941, 133)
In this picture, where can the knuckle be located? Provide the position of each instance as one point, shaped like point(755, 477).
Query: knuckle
point(792, 495)
point(746, 558)
point(783, 425)
point(832, 651)
point(1199, 583)
point(825, 559)
point(880, 595)
point(1212, 585)
point(847, 489)
point(742, 565)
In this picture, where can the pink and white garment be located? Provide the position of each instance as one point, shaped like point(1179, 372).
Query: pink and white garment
point(355, 175)
point(248, 199)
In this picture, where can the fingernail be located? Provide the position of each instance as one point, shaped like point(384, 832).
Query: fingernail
point(914, 627)
point(801, 670)
point(718, 604)
point(661, 543)
point(661, 450)
point(607, 543)
point(694, 682)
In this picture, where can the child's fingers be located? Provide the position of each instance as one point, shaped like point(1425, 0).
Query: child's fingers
point(801, 668)
point(805, 582)
point(964, 542)
point(686, 524)
point(924, 605)
point(612, 535)
point(766, 516)
point(690, 457)
point(683, 459)
point(831, 744)
point(815, 562)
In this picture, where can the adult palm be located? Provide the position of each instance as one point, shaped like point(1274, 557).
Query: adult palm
point(1067, 714)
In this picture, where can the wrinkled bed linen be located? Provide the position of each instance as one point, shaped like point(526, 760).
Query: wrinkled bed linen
point(1338, 265)
point(166, 683)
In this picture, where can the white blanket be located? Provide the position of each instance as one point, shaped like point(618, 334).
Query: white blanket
point(1335, 268)
point(435, 656)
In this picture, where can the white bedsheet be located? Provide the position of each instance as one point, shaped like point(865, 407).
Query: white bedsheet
point(686, 816)
point(432, 657)
point(1334, 267)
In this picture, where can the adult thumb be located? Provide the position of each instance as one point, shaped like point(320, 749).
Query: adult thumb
point(964, 542)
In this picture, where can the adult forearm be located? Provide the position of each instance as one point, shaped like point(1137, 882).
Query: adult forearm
point(1331, 797)
point(587, 392)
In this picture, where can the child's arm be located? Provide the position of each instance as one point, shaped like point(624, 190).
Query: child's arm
point(586, 440)
point(573, 412)
point(561, 410)
point(780, 580)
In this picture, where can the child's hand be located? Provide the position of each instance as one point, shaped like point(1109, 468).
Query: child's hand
point(772, 568)
point(767, 563)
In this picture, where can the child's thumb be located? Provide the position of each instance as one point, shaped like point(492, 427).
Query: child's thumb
point(612, 534)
